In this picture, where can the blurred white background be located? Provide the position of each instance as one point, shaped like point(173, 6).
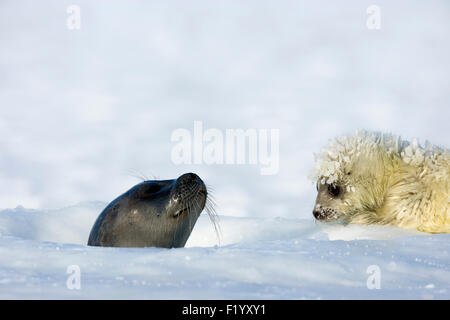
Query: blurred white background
point(83, 111)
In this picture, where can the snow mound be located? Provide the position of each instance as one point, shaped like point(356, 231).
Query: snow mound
point(67, 225)
point(256, 259)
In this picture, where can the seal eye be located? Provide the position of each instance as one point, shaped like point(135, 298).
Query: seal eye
point(334, 190)
point(180, 212)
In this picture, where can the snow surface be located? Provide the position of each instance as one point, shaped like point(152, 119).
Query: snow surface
point(258, 258)
point(82, 111)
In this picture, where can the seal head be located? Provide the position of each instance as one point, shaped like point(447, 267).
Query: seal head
point(154, 213)
point(374, 178)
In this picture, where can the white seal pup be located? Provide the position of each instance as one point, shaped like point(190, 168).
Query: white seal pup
point(374, 178)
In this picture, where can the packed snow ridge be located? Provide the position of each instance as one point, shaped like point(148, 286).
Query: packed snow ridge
point(254, 258)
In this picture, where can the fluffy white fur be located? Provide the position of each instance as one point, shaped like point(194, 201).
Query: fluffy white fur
point(388, 181)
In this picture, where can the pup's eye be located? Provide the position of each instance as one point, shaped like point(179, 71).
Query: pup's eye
point(334, 190)
point(317, 186)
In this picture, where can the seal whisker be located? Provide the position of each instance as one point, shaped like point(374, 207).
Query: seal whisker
point(211, 199)
point(213, 217)
point(196, 205)
point(137, 174)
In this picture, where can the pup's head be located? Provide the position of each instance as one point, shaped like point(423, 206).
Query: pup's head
point(350, 178)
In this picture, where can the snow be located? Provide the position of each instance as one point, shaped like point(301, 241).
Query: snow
point(84, 111)
point(258, 258)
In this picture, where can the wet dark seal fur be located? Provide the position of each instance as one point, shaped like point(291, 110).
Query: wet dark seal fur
point(154, 213)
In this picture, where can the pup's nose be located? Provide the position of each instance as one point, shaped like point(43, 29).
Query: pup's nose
point(316, 214)
point(317, 211)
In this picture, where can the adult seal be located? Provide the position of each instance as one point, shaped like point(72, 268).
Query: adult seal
point(154, 213)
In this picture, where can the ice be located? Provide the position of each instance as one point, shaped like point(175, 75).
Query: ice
point(82, 112)
point(272, 258)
